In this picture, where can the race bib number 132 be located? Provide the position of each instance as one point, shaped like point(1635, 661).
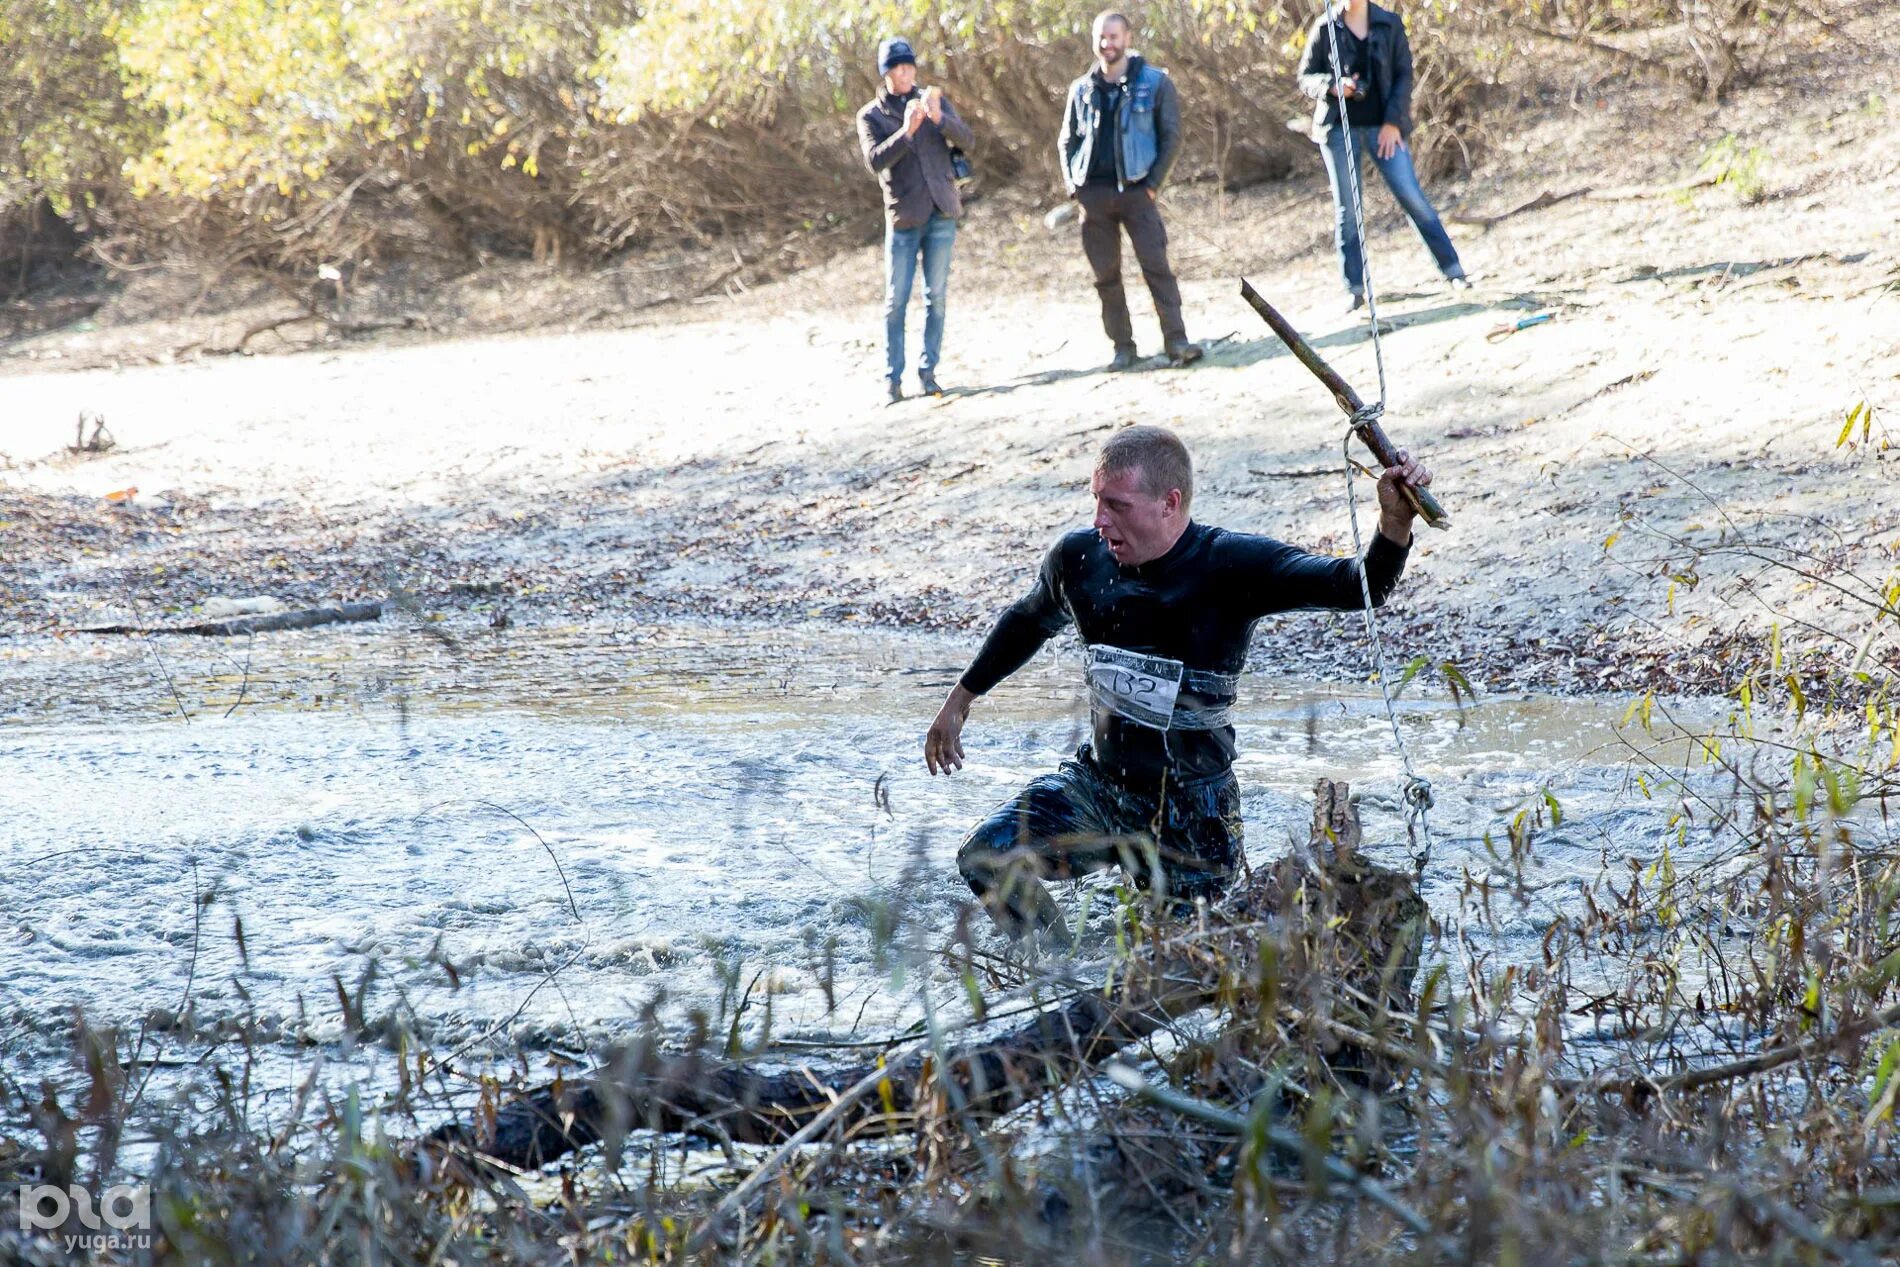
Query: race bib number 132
point(1141, 688)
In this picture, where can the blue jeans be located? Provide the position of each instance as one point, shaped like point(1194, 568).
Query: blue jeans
point(932, 240)
point(1402, 180)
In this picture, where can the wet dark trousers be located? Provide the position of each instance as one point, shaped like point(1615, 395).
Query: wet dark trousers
point(1180, 842)
point(1106, 211)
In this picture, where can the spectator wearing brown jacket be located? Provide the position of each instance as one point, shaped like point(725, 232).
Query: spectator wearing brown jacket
point(906, 135)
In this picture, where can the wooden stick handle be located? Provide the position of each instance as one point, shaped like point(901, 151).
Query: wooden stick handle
point(1348, 400)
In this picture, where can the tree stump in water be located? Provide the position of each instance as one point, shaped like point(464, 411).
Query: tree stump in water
point(1289, 934)
point(1346, 933)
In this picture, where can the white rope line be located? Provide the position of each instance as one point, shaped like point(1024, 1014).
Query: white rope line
point(1417, 792)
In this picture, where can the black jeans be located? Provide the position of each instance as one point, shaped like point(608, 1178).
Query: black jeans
point(1181, 841)
point(1106, 211)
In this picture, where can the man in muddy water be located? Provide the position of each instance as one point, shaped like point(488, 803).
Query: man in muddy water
point(1120, 134)
point(906, 135)
point(1165, 609)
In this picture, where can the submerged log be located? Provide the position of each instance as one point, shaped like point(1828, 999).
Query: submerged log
point(750, 1103)
point(270, 622)
point(1329, 913)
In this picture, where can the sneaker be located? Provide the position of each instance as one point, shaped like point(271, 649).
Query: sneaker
point(1124, 359)
point(928, 381)
point(1185, 353)
point(896, 390)
point(1459, 281)
point(1354, 303)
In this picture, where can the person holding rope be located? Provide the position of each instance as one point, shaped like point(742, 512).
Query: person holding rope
point(1375, 89)
point(1165, 608)
point(906, 135)
point(1120, 134)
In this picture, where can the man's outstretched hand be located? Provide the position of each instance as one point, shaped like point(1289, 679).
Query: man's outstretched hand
point(1395, 509)
point(943, 743)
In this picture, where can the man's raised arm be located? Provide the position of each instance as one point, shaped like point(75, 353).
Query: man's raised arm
point(1283, 578)
point(1020, 632)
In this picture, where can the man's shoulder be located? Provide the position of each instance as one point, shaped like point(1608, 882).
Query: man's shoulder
point(875, 110)
point(1226, 544)
point(1076, 543)
point(1071, 553)
point(1379, 13)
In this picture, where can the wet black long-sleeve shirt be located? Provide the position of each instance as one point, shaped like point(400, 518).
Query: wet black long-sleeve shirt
point(1197, 603)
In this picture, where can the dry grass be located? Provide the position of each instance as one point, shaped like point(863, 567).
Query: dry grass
point(1699, 1067)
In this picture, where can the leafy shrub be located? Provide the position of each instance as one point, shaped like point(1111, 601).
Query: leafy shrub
point(296, 133)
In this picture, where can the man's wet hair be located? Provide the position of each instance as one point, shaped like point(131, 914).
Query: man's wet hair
point(1157, 453)
point(1112, 15)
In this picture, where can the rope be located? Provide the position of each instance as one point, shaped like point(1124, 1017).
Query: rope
point(1416, 792)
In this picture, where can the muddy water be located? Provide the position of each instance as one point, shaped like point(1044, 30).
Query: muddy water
point(532, 836)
